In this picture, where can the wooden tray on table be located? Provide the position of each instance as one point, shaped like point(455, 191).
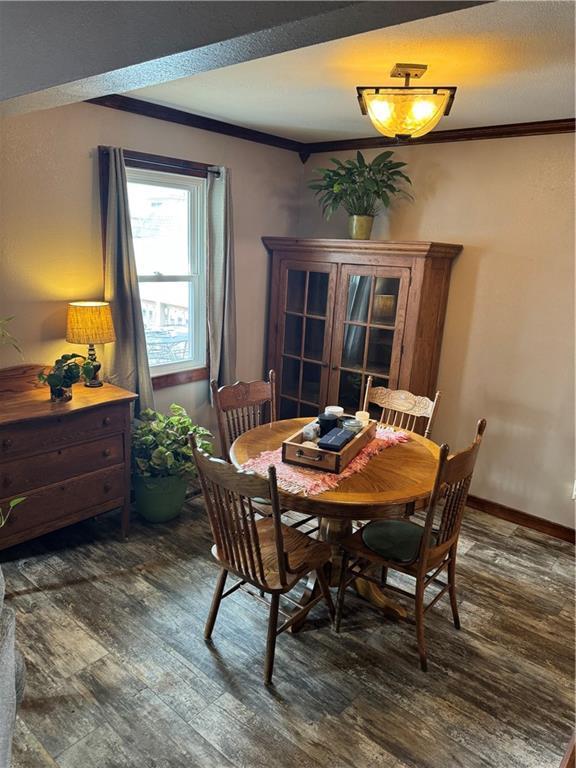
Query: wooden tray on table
point(327, 461)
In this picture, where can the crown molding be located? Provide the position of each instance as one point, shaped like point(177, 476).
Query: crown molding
point(304, 150)
point(506, 131)
point(179, 116)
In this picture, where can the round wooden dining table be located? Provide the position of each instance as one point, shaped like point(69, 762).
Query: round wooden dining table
point(398, 475)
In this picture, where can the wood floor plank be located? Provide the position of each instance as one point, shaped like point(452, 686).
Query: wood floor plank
point(119, 673)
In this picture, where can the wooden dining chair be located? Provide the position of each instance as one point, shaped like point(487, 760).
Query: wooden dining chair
point(400, 408)
point(261, 552)
point(243, 406)
point(420, 551)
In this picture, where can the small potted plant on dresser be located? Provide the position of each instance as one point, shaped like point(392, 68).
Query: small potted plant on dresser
point(67, 370)
point(362, 188)
point(162, 461)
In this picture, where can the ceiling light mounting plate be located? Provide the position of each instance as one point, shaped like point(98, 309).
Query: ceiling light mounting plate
point(408, 70)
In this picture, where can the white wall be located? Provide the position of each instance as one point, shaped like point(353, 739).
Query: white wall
point(508, 351)
point(50, 243)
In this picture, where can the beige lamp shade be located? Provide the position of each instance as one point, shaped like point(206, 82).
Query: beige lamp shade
point(89, 322)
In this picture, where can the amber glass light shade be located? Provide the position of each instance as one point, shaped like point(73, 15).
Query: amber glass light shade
point(89, 322)
point(406, 112)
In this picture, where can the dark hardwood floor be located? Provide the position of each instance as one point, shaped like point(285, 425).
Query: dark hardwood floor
point(119, 675)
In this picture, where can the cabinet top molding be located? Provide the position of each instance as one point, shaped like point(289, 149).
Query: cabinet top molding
point(413, 248)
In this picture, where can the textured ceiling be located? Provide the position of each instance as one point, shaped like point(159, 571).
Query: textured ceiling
point(511, 61)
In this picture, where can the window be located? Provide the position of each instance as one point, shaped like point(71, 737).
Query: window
point(168, 216)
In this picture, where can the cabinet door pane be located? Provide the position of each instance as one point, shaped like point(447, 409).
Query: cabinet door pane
point(317, 293)
point(295, 290)
point(380, 342)
point(353, 348)
point(359, 287)
point(290, 384)
point(349, 391)
point(288, 408)
point(314, 339)
point(385, 300)
point(311, 374)
point(293, 335)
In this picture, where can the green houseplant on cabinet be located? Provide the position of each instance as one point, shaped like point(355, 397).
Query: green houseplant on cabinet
point(362, 188)
point(162, 461)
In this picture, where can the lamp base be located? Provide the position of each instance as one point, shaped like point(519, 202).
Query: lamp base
point(95, 380)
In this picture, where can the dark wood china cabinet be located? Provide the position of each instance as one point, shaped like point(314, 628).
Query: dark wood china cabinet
point(343, 310)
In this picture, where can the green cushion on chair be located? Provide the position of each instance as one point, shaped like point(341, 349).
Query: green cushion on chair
point(397, 540)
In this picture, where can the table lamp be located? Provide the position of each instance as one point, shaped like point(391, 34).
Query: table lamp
point(90, 322)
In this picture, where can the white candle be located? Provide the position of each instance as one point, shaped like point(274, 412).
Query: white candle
point(363, 416)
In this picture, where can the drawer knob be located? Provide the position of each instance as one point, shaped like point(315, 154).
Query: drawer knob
point(106, 421)
point(7, 482)
point(107, 487)
point(107, 452)
point(7, 442)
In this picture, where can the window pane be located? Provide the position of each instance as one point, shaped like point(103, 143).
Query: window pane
point(166, 313)
point(358, 298)
point(160, 227)
point(288, 408)
point(353, 349)
point(311, 382)
point(295, 291)
point(290, 376)
point(317, 293)
point(380, 350)
point(314, 340)
point(385, 298)
point(293, 335)
point(349, 391)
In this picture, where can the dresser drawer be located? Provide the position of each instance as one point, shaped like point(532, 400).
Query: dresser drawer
point(62, 503)
point(22, 475)
point(39, 436)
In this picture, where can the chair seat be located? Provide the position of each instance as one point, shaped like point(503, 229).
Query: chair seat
point(395, 540)
point(304, 554)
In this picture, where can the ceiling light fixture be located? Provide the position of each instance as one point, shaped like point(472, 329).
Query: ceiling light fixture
point(405, 112)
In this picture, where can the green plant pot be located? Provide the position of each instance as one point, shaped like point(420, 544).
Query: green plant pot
point(159, 499)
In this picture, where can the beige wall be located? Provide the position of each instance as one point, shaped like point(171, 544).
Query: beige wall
point(508, 341)
point(508, 351)
point(50, 246)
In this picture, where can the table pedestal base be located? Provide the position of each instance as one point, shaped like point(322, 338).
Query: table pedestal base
point(333, 532)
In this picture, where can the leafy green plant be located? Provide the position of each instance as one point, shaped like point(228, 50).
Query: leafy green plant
point(11, 504)
point(67, 371)
point(6, 337)
point(361, 188)
point(160, 445)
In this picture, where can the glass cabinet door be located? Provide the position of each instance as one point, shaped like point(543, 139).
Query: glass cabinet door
point(368, 329)
point(307, 305)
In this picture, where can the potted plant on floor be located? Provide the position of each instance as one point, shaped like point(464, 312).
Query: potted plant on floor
point(162, 461)
point(362, 188)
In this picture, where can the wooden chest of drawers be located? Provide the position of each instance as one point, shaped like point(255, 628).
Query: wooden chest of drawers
point(70, 460)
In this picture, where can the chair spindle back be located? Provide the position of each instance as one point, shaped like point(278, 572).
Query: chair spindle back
point(400, 408)
point(451, 487)
point(243, 406)
point(229, 494)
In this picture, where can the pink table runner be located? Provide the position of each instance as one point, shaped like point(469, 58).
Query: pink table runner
point(310, 482)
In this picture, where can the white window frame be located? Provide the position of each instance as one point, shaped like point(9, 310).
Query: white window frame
point(197, 231)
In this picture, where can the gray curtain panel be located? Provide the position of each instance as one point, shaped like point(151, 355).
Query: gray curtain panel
point(221, 297)
point(126, 360)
